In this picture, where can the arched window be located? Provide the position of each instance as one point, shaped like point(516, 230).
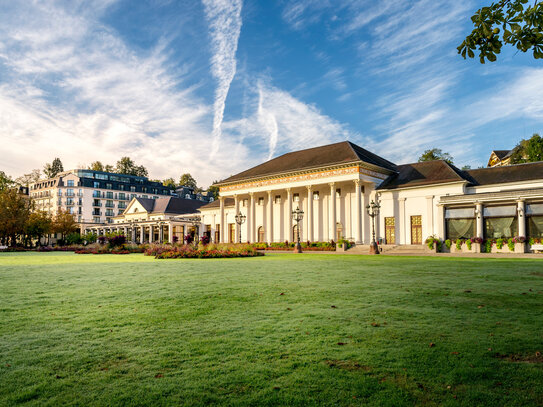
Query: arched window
point(261, 237)
point(295, 233)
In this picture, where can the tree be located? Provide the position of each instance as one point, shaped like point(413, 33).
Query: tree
point(5, 181)
point(96, 166)
point(109, 168)
point(15, 209)
point(126, 166)
point(26, 179)
point(214, 190)
point(53, 169)
point(169, 183)
point(435, 154)
point(187, 180)
point(39, 224)
point(64, 223)
point(521, 26)
point(527, 151)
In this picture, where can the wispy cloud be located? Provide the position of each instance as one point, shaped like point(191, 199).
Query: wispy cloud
point(74, 89)
point(224, 17)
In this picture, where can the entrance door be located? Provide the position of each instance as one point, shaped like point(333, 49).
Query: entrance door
point(232, 232)
point(390, 231)
point(416, 229)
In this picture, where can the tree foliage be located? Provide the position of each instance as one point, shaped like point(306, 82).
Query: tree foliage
point(96, 166)
point(128, 167)
point(15, 209)
point(188, 180)
point(527, 151)
point(214, 190)
point(38, 224)
point(435, 154)
point(53, 169)
point(64, 223)
point(511, 22)
point(169, 183)
point(26, 179)
point(5, 181)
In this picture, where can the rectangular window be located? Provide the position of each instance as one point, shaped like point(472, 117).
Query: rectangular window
point(500, 227)
point(69, 192)
point(109, 204)
point(316, 195)
point(295, 197)
point(96, 219)
point(132, 196)
point(109, 186)
point(109, 195)
point(121, 187)
point(70, 182)
point(132, 188)
point(277, 199)
point(535, 226)
point(145, 196)
point(109, 212)
point(460, 228)
point(96, 184)
point(96, 194)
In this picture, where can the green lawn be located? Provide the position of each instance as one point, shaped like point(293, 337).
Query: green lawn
point(276, 330)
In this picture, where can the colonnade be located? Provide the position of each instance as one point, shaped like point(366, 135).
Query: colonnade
point(316, 215)
point(145, 232)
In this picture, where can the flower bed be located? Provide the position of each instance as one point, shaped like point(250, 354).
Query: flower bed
point(210, 251)
point(98, 248)
point(72, 248)
point(306, 246)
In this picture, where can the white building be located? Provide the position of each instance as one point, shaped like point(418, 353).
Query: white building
point(333, 184)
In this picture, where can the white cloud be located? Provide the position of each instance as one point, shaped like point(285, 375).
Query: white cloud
point(224, 17)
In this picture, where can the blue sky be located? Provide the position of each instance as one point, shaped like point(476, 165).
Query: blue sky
point(213, 87)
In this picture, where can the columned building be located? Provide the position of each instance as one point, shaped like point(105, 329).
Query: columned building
point(145, 220)
point(333, 184)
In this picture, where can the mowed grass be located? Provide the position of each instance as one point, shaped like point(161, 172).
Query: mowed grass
point(277, 330)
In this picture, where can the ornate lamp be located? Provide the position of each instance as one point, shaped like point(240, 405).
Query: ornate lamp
point(240, 219)
point(297, 216)
point(373, 211)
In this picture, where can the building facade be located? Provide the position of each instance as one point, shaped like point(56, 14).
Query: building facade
point(333, 184)
point(145, 220)
point(93, 197)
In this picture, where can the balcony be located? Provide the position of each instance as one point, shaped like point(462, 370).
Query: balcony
point(96, 213)
point(110, 205)
point(96, 195)
point(70, 194)
point(70, 203)
point(96, 204)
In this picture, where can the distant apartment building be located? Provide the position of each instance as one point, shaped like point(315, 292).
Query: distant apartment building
point(93, 197)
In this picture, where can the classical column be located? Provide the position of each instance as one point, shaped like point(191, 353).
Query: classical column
point(289, 215)
point(358, 215)
point(125, 231)
point(403, 223)
point(236, 226)
point(332, 209)
point(269, 217)
point(142, 234)
point(221, 219)
point(170, 232)
point(251, 221)
point(521, 213)
point(309, 214)
point(441, 221)
point(479, 215)
point(430, 214)
point(161, 233)
point(151, 233)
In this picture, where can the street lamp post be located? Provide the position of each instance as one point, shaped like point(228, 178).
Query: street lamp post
point(240, 219)
point(297, 216)
point(373, 211)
